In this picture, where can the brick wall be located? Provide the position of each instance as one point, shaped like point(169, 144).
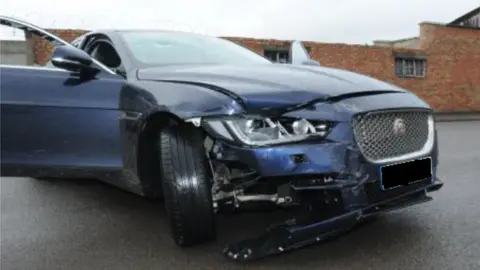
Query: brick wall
point(453, 67)
point(42, 49)
point(452, 81)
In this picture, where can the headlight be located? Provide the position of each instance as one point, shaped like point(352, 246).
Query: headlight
point(264, 131)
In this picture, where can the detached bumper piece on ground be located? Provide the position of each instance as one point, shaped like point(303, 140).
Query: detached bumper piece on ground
point(314, 228)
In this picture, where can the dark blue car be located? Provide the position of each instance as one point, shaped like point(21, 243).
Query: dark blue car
point(210, 126)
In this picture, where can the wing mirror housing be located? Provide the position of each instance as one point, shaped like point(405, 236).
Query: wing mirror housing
point(72, 59)
point(300, 56)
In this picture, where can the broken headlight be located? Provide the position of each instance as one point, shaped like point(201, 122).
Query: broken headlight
point(264, 131)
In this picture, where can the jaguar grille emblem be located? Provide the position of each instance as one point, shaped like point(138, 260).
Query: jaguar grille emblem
point(399, 127)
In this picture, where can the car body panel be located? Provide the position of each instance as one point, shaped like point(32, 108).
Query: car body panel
point(55, 119)
point(183, 100)
point(345, 109)
point(273, 86)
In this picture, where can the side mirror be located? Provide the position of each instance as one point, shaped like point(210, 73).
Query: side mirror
point(299, 55)
point(72, 59)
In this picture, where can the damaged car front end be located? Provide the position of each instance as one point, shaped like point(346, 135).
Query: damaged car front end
point(339, 160)
point(335, 145)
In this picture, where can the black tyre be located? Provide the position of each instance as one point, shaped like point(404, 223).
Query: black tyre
point(187, 185)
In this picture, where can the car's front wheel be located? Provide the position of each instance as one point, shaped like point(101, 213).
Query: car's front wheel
point(187, 186)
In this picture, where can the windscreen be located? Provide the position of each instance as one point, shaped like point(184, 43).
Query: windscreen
point(174, 48)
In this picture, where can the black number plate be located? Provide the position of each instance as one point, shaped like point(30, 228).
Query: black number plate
point(402, 174)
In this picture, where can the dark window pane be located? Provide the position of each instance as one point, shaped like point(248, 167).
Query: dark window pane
point(279, 56)
point(399, 67)
point(419, 68)
point(270, 55)
point(409, 69)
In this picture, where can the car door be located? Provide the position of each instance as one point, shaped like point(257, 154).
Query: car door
point(54, 121)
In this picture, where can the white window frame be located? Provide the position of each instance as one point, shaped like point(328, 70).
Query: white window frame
point(405, 62)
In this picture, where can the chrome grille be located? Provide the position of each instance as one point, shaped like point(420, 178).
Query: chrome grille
point(388, 135)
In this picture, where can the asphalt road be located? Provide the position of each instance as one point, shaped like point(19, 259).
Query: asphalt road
point(87, 225)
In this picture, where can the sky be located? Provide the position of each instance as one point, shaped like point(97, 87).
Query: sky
point(342, 21)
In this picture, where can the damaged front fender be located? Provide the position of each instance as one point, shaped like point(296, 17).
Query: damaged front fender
point(183, 101)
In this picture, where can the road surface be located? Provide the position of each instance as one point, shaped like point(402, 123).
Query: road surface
point(88, 225)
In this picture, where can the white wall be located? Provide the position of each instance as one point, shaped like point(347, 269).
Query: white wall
point(13, 52)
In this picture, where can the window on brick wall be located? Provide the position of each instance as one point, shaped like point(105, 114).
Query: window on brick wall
point(277, 55)
point(410, 67)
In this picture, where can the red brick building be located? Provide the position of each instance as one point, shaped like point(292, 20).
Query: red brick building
point(442, 64)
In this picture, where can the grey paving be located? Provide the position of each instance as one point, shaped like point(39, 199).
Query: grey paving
point(87, 225)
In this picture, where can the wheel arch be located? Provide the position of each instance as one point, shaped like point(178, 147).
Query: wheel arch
point(147, 153)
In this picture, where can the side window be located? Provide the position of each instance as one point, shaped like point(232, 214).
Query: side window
point(105, 53)
point(77, 42)
point(21, 45)
point(30, 45)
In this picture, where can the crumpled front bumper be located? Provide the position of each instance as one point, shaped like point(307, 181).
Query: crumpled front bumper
point(352, 180)
point(294, 234)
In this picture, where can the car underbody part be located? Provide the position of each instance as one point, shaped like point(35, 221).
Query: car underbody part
point(229, 192)
point(315, 227)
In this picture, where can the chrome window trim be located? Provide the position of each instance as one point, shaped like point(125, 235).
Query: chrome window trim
point(33, 68)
